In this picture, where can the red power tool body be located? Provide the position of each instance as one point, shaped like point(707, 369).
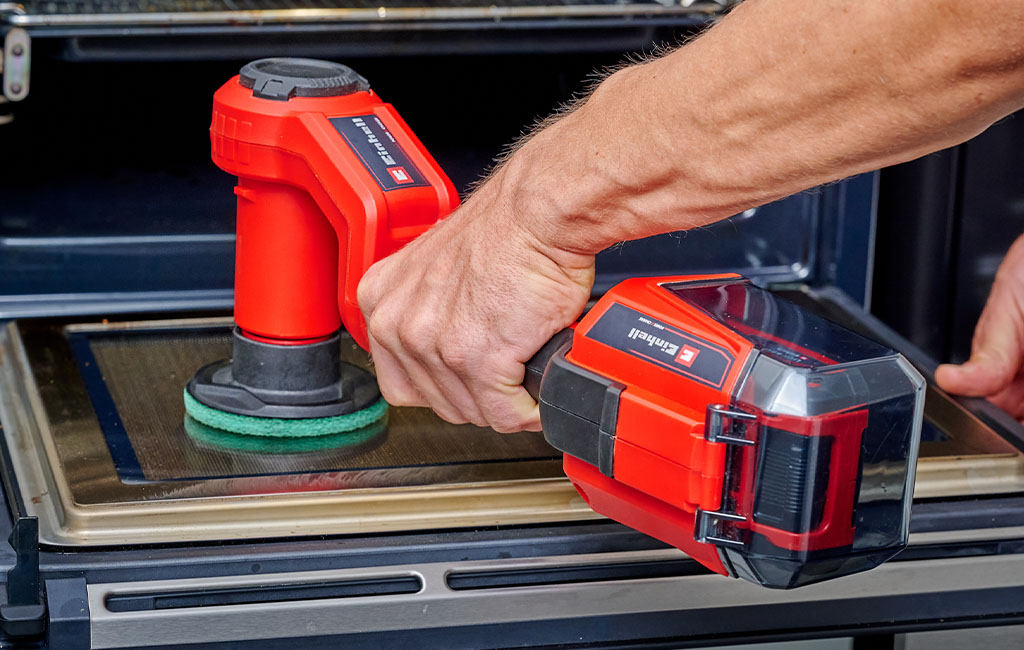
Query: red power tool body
point(326, 187)
point(330, 180)
point(766, 442)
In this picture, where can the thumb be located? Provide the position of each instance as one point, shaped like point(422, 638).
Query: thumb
point(996, 351)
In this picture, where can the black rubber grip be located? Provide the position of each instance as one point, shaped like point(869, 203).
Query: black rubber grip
point(538, 362)
point(578, 408)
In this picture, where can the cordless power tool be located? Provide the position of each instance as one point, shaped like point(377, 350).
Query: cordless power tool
point(330, 180)
point(766, 442)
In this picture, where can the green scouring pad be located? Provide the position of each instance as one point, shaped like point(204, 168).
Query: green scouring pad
point(355, 441)
point(281, 427)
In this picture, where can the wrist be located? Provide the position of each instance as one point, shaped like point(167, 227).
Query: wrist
point(612, 169)
point(564, 186)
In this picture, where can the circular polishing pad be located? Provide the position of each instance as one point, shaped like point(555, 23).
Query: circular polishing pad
point(284, 428)
point(358, 440)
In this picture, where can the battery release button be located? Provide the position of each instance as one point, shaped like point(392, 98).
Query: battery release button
point(283, 78)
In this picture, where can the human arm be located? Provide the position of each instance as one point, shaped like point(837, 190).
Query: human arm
point(782, 95)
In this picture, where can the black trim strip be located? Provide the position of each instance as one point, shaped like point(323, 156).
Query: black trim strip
point(139, 602)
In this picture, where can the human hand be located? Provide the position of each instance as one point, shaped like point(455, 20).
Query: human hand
point(454, 315)
point(995, 368)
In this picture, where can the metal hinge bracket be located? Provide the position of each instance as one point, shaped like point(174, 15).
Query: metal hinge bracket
point(15, 62)
point(720, 421)
point(708, 528)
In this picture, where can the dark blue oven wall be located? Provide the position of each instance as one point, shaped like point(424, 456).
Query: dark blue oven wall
point(945, 222)
point(111, 202)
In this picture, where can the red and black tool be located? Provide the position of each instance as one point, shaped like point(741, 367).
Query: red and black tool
point(764, 441)
point(330, 180)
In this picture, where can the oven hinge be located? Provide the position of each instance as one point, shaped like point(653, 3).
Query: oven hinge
point(23, 612)
point(15, 56)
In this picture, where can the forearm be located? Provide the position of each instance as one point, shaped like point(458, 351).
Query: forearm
point(781, 96)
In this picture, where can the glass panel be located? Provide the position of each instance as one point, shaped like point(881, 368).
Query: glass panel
point(777, 327)
point(135, 381)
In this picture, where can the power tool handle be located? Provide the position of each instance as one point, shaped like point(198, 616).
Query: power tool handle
point(539, 362)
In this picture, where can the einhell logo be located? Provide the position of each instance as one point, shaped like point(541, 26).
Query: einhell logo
point(382, 151)
point(687, 356)
point(400, 175)
point(653, 341)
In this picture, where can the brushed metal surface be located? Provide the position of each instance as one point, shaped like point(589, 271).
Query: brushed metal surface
point(436, 605)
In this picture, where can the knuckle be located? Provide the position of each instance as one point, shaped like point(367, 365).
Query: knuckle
point(368, 291)
point(385, 324)
point(417, 332)
point(364, 295)
point(380, 330)
point(455, 356)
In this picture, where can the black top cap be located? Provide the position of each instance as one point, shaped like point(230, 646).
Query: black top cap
point(284, 78)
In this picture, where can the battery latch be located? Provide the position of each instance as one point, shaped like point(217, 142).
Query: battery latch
point(709, 530)
point(727, 424)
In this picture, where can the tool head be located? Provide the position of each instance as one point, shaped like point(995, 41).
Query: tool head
point(330, 180)
point(273, 390)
